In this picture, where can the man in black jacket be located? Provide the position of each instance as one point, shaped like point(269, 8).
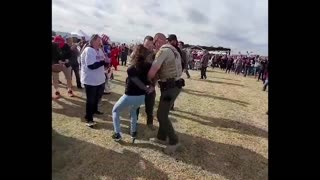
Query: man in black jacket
point(150, 98)
point(64, 51)
point(184, 58)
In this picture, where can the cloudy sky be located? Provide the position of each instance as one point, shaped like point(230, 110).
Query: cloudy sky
point(239, 25)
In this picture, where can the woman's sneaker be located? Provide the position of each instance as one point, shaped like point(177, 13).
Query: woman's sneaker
point(116, 136)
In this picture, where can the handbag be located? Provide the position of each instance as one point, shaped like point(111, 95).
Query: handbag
point(56, 68)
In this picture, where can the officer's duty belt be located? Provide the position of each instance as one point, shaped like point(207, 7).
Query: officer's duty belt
point(171, 83)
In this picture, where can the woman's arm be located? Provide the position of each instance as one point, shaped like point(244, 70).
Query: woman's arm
point(139, 83)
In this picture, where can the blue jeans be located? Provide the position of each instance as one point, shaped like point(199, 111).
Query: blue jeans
point(134, 102)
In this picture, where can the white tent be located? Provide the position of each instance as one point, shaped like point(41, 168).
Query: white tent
point(217, 52)
point(80, 34)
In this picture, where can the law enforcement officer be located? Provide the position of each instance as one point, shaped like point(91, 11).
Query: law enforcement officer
point(167, 65)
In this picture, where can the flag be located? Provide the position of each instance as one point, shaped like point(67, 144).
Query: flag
point(105, 39)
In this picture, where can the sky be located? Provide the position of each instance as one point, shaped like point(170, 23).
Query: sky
point(239, 25)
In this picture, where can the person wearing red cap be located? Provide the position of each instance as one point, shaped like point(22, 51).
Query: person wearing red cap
point(65, 52)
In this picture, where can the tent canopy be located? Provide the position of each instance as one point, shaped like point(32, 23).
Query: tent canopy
point(80, 34)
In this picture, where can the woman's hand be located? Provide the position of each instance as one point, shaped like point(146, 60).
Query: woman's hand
point(150, 89)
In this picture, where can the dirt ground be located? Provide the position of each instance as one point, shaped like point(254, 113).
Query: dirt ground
point(221, 123)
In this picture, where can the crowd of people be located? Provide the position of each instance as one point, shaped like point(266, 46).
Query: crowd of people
point(160, 60)
point(247, 65)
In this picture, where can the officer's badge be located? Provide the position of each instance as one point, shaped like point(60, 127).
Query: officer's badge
point(158, 53)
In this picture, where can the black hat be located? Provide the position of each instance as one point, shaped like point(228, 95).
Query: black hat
point(172, 37)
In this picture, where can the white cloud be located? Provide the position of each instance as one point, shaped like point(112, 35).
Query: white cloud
point(240, 25)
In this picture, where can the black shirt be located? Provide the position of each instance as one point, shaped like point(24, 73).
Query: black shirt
point(74, 57)
point(131, 88)
point(56, 53)
point(66, 54)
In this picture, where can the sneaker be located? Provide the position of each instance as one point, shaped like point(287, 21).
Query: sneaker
point(107, 93)
point(70, 93)
point(158, 141)
point(171, 148)
point(116, 136)
point(91, 123)
point(98, 113)
point(134, 135)
point(56, 95)
point(79, 87)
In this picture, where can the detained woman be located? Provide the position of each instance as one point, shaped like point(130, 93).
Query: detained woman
point(137, 85)
point(92, 76)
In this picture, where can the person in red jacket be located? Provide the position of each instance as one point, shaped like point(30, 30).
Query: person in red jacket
point(119, 53)
point(114, 57)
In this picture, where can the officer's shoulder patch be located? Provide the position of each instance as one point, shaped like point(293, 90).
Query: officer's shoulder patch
point(159, 53)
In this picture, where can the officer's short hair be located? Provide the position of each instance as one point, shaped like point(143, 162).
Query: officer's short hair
point(172, 37)
point(149, 38)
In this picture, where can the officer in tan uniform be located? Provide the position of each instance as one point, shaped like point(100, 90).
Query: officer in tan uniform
point(167, 66)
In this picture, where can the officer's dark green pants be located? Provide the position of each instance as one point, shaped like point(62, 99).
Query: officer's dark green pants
point(166, 130)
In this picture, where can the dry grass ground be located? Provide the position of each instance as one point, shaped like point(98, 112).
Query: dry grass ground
point(221, 122)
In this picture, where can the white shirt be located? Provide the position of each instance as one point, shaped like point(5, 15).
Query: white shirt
point(88, 76)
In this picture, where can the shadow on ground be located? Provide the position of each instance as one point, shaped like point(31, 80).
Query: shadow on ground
point(223, 78)
point(236, 126)
point(118, 82)
point(205, 94)
point(99, 162)
point(218, 82)
point(78, 106)
point(229, 161)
